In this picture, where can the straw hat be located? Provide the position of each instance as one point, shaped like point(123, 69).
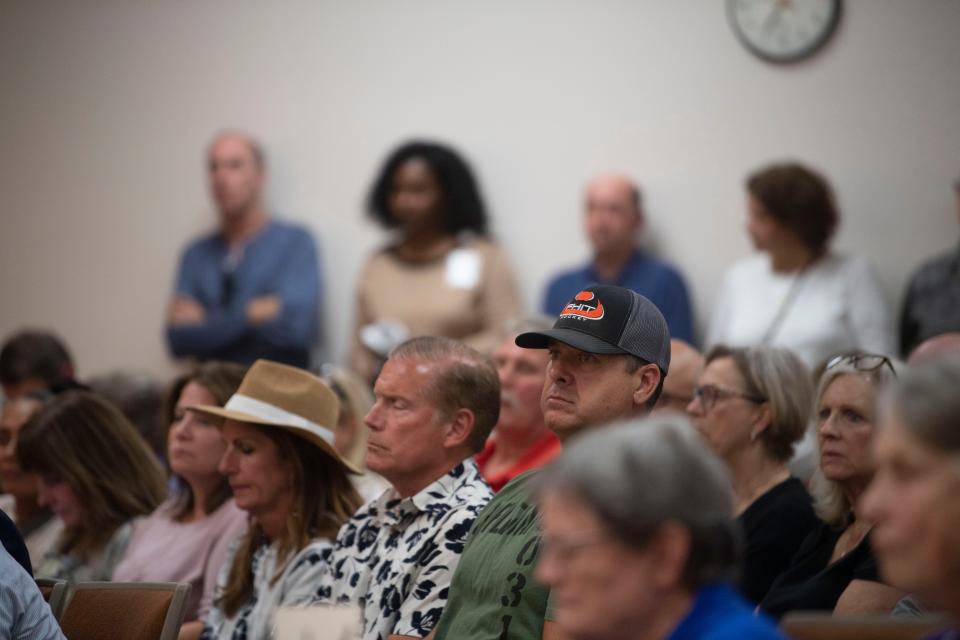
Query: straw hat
point(278, 395)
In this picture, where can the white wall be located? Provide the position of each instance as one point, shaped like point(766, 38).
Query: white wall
point(107, 106)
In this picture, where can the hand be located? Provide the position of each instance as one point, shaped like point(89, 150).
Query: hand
point(185, 310)
point(263, 309)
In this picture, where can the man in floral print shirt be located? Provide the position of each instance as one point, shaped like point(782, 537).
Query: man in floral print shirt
point(436, 402)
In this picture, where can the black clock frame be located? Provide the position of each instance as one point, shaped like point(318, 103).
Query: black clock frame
point(802, 54)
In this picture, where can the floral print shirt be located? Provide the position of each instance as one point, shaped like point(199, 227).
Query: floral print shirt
point(395, 557)
point(96, 568)
point(254, 620)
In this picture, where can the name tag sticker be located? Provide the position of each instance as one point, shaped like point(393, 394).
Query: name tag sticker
point(463, 269)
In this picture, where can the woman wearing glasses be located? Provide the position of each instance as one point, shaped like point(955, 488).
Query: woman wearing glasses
point(751, 406)
point(835, 569)
point(629, 565)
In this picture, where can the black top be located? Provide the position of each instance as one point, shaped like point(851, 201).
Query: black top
point(932, 303)
point(810, 584)
point(774, 527)
point(13, 542)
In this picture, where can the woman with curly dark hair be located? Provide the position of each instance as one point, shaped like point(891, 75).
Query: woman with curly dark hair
point(440, 274)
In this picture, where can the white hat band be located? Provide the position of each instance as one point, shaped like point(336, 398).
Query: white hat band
point(266, 411)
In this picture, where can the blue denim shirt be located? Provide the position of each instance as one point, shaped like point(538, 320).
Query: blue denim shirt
point(281, 260)
point(649, 276)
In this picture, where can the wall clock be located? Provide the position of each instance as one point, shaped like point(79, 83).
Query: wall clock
point(783, 30)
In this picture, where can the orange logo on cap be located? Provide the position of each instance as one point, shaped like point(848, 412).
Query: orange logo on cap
point(580, 307)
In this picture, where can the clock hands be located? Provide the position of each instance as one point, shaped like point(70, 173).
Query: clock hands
point(773, 18)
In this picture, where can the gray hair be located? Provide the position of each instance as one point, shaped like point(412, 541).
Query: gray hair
point(780, 378)
point(680, 480)
point(927, 399)
point(356, 398)
point(467, 380)
point(830, 503)
point(524, 324)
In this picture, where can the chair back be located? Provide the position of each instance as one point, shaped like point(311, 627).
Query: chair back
point(55, 593)
point(824, 626)
point(133, 611)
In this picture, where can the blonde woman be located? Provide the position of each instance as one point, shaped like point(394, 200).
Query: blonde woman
point(187, 537)
point(835, 569)
point(350, 440)
point(97, 474)
point(285, 473)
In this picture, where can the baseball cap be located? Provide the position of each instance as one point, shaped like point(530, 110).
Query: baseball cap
point(607, 319)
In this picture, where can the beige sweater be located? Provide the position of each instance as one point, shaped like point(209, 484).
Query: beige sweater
point(469, 294)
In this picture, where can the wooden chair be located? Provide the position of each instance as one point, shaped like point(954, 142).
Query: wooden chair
point(824, 626)
point(124, 610)
point(55, 593)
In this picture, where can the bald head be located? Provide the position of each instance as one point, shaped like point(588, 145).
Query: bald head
point(613, 214)
point(686, 363)
point(615, 186)
point(235, 139)
point(235, 166)
point(933, 348)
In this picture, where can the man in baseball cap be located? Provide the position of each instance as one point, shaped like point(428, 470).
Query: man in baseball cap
point(609, 354)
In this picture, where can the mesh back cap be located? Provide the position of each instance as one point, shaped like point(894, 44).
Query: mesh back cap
point(606, 319)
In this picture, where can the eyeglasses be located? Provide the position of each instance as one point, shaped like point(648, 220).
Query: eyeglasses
point(709, 394)
point(863, 362)
point(566, 547)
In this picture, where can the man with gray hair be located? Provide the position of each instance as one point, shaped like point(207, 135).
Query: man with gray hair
point(436, 403)
point(648, 564)
point(608, 353)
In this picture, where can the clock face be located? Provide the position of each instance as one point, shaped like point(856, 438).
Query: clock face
point(783, 30)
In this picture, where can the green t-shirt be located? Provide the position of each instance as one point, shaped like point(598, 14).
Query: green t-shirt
point(493, 595)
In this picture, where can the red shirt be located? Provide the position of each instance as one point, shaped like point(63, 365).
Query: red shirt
point(543, 451)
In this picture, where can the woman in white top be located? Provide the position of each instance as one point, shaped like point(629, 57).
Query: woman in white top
point(796, 293)
point(286, 474)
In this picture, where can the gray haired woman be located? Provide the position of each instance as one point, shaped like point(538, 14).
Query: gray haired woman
point(913, 497)
point(638, 538)
point(834, 569)
point(752, 405)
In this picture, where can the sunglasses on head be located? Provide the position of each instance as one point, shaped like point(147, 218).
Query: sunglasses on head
point(864, 362)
